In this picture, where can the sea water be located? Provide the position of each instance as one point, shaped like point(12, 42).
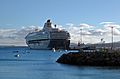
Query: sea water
point(41, 64)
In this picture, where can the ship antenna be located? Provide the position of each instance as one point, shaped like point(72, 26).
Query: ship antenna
point(55, 25)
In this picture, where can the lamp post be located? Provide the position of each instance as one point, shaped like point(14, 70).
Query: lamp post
point(81, 34)
point(80, 40)
point(102, 43)
point(112, 37)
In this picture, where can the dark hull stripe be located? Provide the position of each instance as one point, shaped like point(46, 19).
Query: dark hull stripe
point(36, 41)
point(54, 43)
point(59, 44)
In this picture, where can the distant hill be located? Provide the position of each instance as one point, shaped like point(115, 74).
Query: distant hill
point(99, 45)
point(115, 45)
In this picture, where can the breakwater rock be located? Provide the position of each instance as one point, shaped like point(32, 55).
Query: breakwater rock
point(91, 59)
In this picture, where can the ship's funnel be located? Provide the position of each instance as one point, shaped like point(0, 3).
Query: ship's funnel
point(47, 25)
point(48, 20)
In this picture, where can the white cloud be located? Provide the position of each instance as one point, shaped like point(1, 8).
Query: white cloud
point(25, 30)
point(116, 31)
point(96, 32)
point(6, 32)
point(73, 29)
point(2, 31)
point(75, 33)
point(86, 26)
point(86, 32)
point(17, 37)
point(60, 27)
point(94, 35)
point(108, 29)
point(107, 23)
point(70, 24)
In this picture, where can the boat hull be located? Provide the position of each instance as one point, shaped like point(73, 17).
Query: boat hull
point(49, 44)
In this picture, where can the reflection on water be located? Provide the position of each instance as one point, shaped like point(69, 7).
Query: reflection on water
point(40, 64)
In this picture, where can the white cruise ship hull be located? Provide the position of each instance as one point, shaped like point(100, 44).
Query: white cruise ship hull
point(39, 45)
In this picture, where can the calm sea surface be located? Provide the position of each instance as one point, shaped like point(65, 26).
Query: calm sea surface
point(40, 64)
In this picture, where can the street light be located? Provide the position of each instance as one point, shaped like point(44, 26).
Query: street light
point(112, 37)
point(81, 35)
point(80, 40)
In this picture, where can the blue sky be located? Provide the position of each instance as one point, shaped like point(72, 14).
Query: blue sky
point(17, 13)
point(19, 17)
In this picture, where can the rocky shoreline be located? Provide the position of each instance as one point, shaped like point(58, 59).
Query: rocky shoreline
point(91, 58)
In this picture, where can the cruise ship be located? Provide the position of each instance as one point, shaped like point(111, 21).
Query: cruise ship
point(48, 38)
